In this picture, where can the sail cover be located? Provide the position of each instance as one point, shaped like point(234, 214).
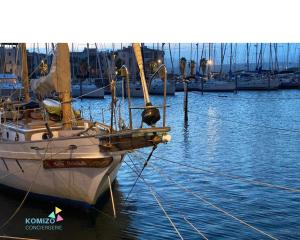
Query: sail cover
point(139, 59)
point(43, 86)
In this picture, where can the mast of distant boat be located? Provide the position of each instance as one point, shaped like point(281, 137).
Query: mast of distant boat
point(287, 56)
point(230, 60)
point(248, 53)
point(25, 79)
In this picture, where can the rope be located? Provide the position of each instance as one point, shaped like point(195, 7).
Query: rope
point(139, 175)
point(255, 182)
point(158, 202)
point(175, 209)
point(213, 205)
point(91, 92)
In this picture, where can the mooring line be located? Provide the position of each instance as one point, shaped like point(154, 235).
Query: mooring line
point(140, 173)
point(158, 202)
point(242, 179)
point(211, 204)
point(171, 205)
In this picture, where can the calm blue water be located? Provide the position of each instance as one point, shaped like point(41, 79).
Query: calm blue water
point(239, 135)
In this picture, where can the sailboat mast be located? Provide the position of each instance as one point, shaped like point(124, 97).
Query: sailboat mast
point(261, 56)
point(248, 52)
point(235, 54)
point(191, 53)
point(221, 67)
point(172, 70)
point(230, 60)
point(179, 56)
point(72, 61)
point(25, 79)
point(256, 56)
point(299, 58)
point(139, 58)
point(197, 58)
point(88, 59)
point(276, 57)
point(270, 58)
point(64, 83)
point(287, 56)
point(209, 60)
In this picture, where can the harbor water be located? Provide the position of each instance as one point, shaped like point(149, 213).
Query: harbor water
point(230, 172)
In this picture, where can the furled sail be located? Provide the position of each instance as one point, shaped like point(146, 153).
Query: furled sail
point(139, 59)
point(53, 82)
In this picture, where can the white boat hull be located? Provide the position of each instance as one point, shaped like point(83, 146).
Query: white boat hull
point(136, 90)
point(77, 184)
point(57, 175)
point(208, 86)
point(258, 84)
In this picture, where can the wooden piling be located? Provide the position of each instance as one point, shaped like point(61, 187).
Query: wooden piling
point(185, 87)
point(112, 197)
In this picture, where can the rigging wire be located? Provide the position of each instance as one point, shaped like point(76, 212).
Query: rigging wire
point(140, 173)
point(159, 203)
point(174, 208)
point(205, 200)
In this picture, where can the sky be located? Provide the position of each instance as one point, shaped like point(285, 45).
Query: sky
point(189, 51)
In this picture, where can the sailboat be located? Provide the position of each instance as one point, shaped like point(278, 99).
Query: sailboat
point(84, 85)
point(48, 149)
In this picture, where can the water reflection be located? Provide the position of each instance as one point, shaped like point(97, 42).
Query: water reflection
point(212, 132)
point(209, 143)
point(79, 222)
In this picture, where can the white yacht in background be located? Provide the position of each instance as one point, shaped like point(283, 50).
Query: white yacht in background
point(136, 90)
point(88, 89)
point(157, 87)
point(207, 85)
point(255, 81)
point(289, 80)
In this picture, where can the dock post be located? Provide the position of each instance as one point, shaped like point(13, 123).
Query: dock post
point(185, 87)
point(202, 85)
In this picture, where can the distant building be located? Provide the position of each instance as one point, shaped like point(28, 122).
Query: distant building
point(9, 58)
point(90, 64)
point(151, 57)
point(98, 66)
